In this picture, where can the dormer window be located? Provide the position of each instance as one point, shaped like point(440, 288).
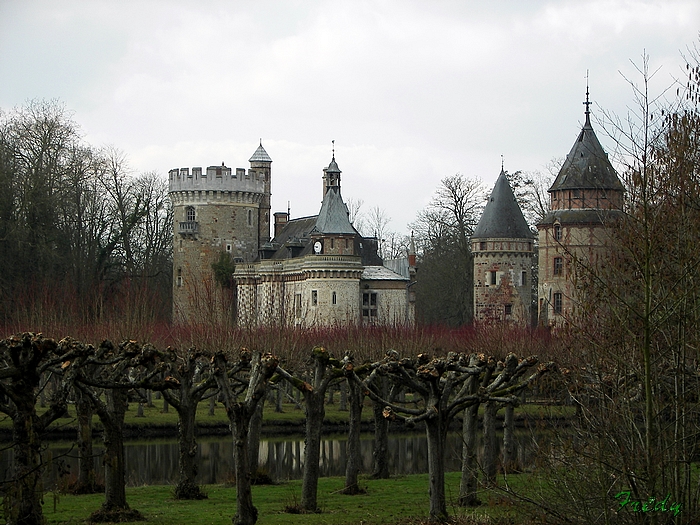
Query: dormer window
point(557, 232)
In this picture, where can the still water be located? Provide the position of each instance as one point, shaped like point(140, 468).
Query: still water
point(155, 462)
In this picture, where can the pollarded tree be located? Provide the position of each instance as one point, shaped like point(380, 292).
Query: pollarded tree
point(443, 386)
point(228, 373)
point(117, 371)
point(195, 382)
point(24, 358)
point(325, 370)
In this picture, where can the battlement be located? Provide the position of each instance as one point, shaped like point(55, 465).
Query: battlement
point(217, 178)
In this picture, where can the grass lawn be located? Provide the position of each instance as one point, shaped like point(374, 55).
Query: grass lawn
point(385, 502)
point(154, 416)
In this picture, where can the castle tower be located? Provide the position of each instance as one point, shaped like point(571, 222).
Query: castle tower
point(220, 216)
point(261, 163)
point(585, 196)
point(502, 245)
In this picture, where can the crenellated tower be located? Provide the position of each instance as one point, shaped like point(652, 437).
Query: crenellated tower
point(221, 216)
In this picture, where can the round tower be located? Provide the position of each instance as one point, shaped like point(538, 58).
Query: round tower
point(503, 250)
point(219, 216)
point(586, 195)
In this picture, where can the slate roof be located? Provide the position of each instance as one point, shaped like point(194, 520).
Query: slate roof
point(502, 217)
point(578, 216)
point(587, 165)
point(260, 155)
point(333, 216)
point(381, 273)
point(295, 233)
point(333, 167)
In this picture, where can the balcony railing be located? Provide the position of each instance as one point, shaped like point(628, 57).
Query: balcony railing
point(189, 228)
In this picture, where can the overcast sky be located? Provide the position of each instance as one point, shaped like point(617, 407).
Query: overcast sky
point(410, 91)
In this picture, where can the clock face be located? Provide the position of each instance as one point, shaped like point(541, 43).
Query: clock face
point(318, 246)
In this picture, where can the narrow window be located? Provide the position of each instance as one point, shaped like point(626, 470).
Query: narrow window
point(558, 266)
point(250, 217)
point(314, 297)
point(332, 243)
point(482, 245)
point(493, 277)
point(508, 309)
point(557, 232)
point(557, 302)
point(297, 305)
point(334, 298)
point(523, 278)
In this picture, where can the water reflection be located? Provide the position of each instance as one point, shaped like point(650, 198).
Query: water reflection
point(155, 462)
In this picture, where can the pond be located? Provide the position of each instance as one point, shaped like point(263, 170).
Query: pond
point(156, 462)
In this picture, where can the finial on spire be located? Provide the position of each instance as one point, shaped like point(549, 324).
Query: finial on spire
point(261, 141)
point(502, 162)
point(333, 142)
point(587, 103)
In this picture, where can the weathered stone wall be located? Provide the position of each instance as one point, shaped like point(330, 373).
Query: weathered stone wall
point(511, 260)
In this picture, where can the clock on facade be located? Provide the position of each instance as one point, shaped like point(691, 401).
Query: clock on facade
point(318, 247)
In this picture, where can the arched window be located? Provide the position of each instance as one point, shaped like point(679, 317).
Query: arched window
point(190, 214)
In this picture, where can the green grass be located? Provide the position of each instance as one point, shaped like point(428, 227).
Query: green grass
point(385, 502)
point(155, 417)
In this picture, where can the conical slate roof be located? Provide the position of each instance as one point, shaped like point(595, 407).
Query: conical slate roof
point(333, 167)
point(502, 218)
point(260, 155)
point(587, 166)
point(333, 216)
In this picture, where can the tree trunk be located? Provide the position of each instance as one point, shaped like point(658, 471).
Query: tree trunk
point(279, 396)
point(380, 453)
point(246, 513)
point(490, 410)
point(315, 412)
point(468, 483)
point(510, 455)
point(343, 396)
point(436, 468)
point(165, 405)
point(115, 472)
point(187, 487)
point(22, 502)
point(86, 483)
point(254, 432)
point(354, 456)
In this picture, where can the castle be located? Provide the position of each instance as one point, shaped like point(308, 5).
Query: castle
point(316, 271)
point(585, 196)
point(319, 271)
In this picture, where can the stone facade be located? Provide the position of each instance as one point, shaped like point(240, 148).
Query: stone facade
point(316, 271)
point(216, 212)
point(586, 199)
point(503, 250)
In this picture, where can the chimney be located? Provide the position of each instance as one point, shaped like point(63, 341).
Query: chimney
point(281, 218)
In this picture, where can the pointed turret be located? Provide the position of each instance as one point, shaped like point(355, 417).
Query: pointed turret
point(502, 217)
point(260, 155)
point(331, 176)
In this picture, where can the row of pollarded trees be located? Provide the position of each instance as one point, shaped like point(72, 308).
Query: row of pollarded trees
point(101, 378)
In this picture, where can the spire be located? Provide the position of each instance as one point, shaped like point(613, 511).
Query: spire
point(587, 165)
point(502, 217)
point(588, 105)
point(260, 155)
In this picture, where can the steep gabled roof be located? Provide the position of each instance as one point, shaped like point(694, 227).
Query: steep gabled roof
point(333, 216)
point(587, 165)
point(502, 217)
point(260, 155)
